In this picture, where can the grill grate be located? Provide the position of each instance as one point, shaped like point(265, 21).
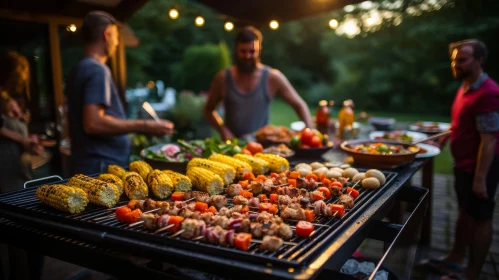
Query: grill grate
point(288, 255)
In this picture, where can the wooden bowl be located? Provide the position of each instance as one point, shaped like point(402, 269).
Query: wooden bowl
point(379, 161)
point(180, 167)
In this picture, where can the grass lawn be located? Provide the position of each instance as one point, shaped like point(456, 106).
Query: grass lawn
point(283, 114)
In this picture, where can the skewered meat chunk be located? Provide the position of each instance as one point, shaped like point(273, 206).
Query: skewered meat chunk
point(335, 191)
point(233, 189)
point(284, 200)
point(256, 230)
point(285, 231)
point(346, 200)
point(149, 221)
point(190, 227)
point(254, 202)
point(293, 214)
point(319, 207)
point(162, 221)
point(271, 243)
point(207, 216)
point(240, 200)
point(224, 211)
point(267, 185)
point(342, 180)
point(256, 187)
point(218, 201)
point(197, 195)
point(149, 204)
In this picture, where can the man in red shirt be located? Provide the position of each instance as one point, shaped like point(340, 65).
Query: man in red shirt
point(475, 149)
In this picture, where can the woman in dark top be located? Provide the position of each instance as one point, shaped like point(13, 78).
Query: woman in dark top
point(15, 144)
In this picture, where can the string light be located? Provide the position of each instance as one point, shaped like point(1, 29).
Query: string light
point(333, 23)
point(199, 21)
point(274, 24)
point(173, 13)
point(71, 28)
point(229, 26)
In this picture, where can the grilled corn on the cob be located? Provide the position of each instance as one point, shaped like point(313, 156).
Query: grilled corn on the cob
point(240, 166)
point(116, 170)
point(205, 180)
point(112, 179)
point(98, 192)
point(259, 166)
point(277, 163)
point(62, 197)
point(226, 172)
point(181, 183)
point(134, 185)
point(161, 185)
point(141, 167)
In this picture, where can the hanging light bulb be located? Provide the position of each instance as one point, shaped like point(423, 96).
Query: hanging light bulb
point(333, 23)
point(173, 13)
point(274, 24)
point(228, 26)
point(199, 21)
point(71, 28)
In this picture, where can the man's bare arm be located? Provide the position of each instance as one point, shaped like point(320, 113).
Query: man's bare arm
point(210, 113)
point(96, 122)
point(486, 152)
point(289, 94)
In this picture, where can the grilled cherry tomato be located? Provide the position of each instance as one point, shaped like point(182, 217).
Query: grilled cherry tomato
point(273, 209)
point(177, 196)
point(312, 176)
point(246, 151)
point(244, 183)
point(264, 207)
point(292, 182)
point(121, 213)
point(274, 198)
point(317, 195)
point(175, 220)
point(325, 191)
point(262, 198)
point(133, 216)
point(246, 194)
point(249, 176)
point(326, 182)
point(242, 241)
point(321, 177)
point(212, 209)
point(294, 175)
point(339, 209)
point(261, 178)
point(304, 228)
point(245, 209)
point(310, 215)
point(274, 175)
point(201, 207)
point(352, 192)
point(336, 184)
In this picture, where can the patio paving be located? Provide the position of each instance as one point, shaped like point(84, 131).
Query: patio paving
point(443, 228)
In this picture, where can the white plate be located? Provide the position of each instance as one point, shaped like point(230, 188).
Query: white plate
point(416, 136)
point(431, 151)
point(441, 127)
point(297, 126)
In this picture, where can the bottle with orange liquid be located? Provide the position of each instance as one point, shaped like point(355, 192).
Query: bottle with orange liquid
point(346, 119)
point(322, 116)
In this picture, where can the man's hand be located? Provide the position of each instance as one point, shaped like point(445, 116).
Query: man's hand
point(480, 188)
point(225, 133)
point(33, 146)
point(161, 128)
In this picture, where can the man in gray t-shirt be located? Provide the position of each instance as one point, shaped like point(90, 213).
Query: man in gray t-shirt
point(98, 125)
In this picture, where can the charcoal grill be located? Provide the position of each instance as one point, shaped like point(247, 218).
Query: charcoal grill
point(301, 261)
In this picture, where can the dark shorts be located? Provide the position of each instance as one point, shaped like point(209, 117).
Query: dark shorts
point(477, 208)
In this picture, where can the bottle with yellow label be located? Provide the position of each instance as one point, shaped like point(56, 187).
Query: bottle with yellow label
point(346, 119)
